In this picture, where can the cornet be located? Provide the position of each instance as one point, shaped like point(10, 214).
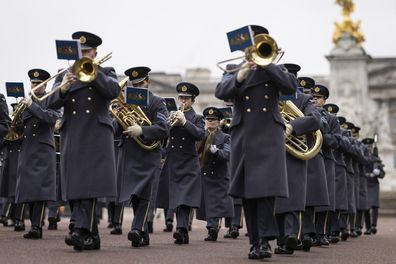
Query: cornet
point(173, 119)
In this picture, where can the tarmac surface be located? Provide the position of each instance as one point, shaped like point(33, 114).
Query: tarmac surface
point(379, 248)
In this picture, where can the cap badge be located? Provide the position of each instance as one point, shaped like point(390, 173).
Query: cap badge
point(210, 111)
point(83, 40)
point(303, 83)
point(135, 74)
point(317, 89)
point(36, 74)
point(184, 88)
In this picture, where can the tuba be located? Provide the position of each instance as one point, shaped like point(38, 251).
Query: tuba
point(264, 52)
point(127, 115)
point(297, 146)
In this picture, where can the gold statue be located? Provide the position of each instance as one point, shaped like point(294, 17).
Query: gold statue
point(348, 25)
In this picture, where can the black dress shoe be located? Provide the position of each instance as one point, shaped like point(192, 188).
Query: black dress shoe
point(283, 251)
point(76, 240)
point(92, 242)
point(19, 226)
point(168, 227)
point(368, 232)
point(150, 227)
point(344, 235)
point(265, 249)
point(212, 235)
point(145, 240)
point(52, 224)
point(136, 237)
point(1, 219)
point(34, 233)
point(353, 234)
point(291, 243)
point(255, 253)
point(110, 225)
point(233, 232)
point(358, 231)
point(322, 240)
point(334, 238)
point(181, 237)
point(117, 230)
point(374, 230)
point(306, 243)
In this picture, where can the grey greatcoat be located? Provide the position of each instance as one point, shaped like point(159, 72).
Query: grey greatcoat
point(297, 168)
point(36, 173)
point(258, 154)
point(330, 143)
point(350, 179)
point(341, 187)
point(364, 163)
point(180, 180)
point(216, 181)
point(87, 160)
point(9, 154)
point(137, 167)
point(317, 190)
point(4, 117)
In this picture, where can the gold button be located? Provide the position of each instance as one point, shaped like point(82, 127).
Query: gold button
point(87, 111)
point(266, 96)
point(247, 97)
point(204, 173)
point(90, 88)
point(172, 146)
point(181, 147)
point(266, 85)
point(24, 126)
point(182, 138)
point(34, 125)
point(265, 109)
point(73, 100)
point(10, 150)
point(248, 110)
point(89, 98)
point(24, 136)
point(74, 112)
point(34, 135)
point(172, 138)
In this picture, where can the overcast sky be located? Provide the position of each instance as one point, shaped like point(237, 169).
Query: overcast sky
point(173, 35)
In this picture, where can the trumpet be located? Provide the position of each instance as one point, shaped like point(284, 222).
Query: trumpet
point(263, 53)
point(85, 69)
point(172, 117)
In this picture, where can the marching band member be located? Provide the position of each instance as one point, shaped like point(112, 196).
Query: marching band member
point(181, 173)
point(214, 157)
point(137, 167)
point(4, 117)
point(36, 173)
point(258, 163)
point(87, 160)
point(289, 210)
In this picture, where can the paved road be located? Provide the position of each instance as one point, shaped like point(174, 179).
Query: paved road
point(380, 248)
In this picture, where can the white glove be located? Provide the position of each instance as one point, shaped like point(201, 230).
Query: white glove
point(181, 117)
point(67, 81)
point(27, 100)
point(213, 149)
point(376, 172)
point(243, 73)
point(289, 130)
point(134, 130)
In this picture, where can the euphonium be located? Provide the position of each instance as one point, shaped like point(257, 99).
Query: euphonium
point(128, 115)
point(203, 147)
point(297, 146)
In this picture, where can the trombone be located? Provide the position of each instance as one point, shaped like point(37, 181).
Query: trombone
point(85, 69)
point(264, 52)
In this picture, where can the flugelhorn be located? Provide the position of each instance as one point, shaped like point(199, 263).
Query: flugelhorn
point(264, 52)
point(85, 69)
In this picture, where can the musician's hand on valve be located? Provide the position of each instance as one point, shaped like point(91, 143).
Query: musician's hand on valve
point(67, 81)
point(134, 131)
point(289, 130)
point(181, 117)
point(27, 100)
